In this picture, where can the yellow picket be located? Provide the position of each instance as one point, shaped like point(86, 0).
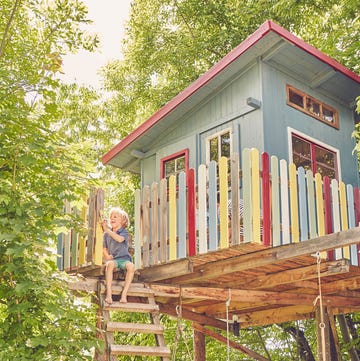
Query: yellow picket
point(293, 204)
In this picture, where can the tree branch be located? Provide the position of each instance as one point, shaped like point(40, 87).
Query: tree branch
point(7, 28)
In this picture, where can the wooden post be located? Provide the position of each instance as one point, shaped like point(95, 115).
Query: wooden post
point(335, 345)
point(323, 334)
point(199, 346)
point(91, 227)
point(100, 356)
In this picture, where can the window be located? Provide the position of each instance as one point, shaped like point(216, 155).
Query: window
point(174, 164)
point(219, 145)
point(312, 107)
point(312, 156)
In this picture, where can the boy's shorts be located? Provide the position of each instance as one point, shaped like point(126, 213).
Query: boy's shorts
point(121, 263)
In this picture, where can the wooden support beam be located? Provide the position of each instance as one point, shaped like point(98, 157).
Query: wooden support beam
point(193, 316)
point(248, 296)
point(266, 317)
point(232, 344)
point(266, 257)
point(342, 286)
point(334, 335)
point(199, 344)
point(84, 285)
point(170, 269)
point(327, 268)
point(323, 334)
point(100, 322)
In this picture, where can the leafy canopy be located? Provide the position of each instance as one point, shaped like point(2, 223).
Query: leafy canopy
point(40, 168)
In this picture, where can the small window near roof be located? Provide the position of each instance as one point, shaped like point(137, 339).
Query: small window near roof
point(311, 106)
point(174, 163)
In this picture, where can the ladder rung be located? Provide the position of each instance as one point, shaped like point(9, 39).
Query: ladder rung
point(132, 307)
point(133, 290)
point(139, 350)
point(134, 327)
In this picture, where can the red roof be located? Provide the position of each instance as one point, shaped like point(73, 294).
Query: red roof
point(264, 29)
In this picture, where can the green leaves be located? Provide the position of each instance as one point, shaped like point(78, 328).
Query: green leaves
point(41, 166)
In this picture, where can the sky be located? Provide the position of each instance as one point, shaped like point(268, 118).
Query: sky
point(109, 17)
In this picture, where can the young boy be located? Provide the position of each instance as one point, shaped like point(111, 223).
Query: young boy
point(116, 253)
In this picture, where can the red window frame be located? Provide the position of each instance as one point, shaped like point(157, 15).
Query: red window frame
point(181, 153)
point(313, 146)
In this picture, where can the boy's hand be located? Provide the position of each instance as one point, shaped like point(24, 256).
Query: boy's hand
point(105, 225)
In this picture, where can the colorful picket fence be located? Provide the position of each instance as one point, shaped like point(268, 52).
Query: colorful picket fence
point(78, 250)
point(270, 202)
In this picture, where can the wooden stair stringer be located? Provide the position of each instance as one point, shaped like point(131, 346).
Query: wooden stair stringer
point(142, 294)
point(160, 340)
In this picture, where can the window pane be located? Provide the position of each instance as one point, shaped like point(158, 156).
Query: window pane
point(302, 162)
point(312, 106)
point(325, 157)
point(325, 162)
point(331, 173)
point(296, 98)
point(328, 114)
point(180, 164)
point(301, 147)
point(225, 145)
point(169, 167)
point(214, 150)
point(301, 153)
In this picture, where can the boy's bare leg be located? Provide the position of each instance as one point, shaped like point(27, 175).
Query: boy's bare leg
point(130, 270)
point(110, 265)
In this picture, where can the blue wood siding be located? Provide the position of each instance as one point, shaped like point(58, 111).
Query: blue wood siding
point(278, 116)
point(265, 129)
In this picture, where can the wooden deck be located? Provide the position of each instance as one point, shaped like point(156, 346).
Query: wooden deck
point(261, 285)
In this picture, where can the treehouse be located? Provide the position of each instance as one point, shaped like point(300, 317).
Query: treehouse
point(249, 204)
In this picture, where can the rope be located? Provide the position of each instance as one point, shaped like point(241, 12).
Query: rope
point(179, 329)
point(227, 325)
point(319, 298)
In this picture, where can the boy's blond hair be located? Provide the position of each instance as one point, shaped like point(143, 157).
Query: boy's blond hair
point(122, 213)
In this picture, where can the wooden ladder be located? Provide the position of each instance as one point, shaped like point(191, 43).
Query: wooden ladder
point(146, 304)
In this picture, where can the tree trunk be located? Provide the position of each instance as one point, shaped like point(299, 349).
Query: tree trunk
point(305, 352)
point(199, 346)
point(347, 338)
point(353, 332)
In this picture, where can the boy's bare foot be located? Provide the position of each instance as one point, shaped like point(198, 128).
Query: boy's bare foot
point(123, 300)
point(108, 300)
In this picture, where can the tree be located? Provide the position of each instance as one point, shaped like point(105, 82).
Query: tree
point(40, 169)
point(170, 43)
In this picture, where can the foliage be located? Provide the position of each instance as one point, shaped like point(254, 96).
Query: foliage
point(53, 135)
point(40, 169)
point(170, 43)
